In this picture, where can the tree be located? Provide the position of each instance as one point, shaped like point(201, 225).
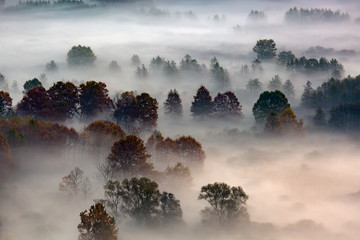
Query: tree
point(320, 118)
point(113, 197)
point(30, 84)
point(345, 116)
point(272, 124)
point(307, 98)
point(147, 109)
point(80, 56)
point(141, 200)
point(157, 63)
point(227, 105)
point(227, 203)
point(5, 104)
point(51, 66)
point(135, 60)
point(75, 184)
point(170, 208)
point(141, 72)
point(173, 105)
point(265, 49)
point(6, 160)
point(170, 68)
point(178, 177)
point(254, 86)
point(128, 157)
point(190, 151)
point(267, 102)
point(202, 106)
point(93, 98)
point(97, 224)
point(275, 83)
point(126, 110)
point(114, 66)
point(288, 89)
point(189, 64)
point(286, 57)
point(219, 74)
point(37, 104)
point(64, 98)
point(288, 122)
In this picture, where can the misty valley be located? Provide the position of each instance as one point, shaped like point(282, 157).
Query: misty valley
point(169, 119)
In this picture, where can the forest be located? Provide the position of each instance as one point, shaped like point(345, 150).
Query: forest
point(143, 119)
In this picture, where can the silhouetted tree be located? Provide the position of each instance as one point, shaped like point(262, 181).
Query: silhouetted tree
point(173, 105)
point(345, 117)
point(64, 99)
point(286, 57)
point(227, 105)
point(30, 84)
point(202, 106)
point(97, 224)
point(114, 66)
point(37, 104)
point(128, 157)
point(190, 151)
point(189, 64)
point(147, 107)
point(80, 56)
point(265, 49)
point(227, 204)
point(267, 102)
point(319, 119)
point(308, 95)
point(141, 72)
point(93, 98)
point(170, 208)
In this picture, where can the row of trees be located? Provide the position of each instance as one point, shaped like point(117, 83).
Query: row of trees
point(314, 15)
point(140, 200)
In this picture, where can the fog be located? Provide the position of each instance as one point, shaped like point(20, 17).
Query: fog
point(299, 187)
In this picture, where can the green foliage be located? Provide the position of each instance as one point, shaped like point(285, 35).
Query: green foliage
point(97, 224)
point(227, 204)
point(30, 84)
point(202, 106)
point(267, 102)
point(345, 116)
point(319, 118)
point(80, 56)
point(265, 49)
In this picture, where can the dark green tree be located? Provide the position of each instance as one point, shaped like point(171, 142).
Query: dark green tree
point(319, 118)
point(80, 56)
point(30, 84)
point(202, 106)
point(267, 102)
point(5, 104)
point(265, 49)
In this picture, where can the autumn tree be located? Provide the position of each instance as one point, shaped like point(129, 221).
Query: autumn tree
point(267, 102)
point(202, 106)
point(30, 84)
point(227, 204)
point(272, 124)
point(64, 97)
point(190, 151)
point(80, 56)
point(227, 105)
point(36, 103)
point(265, 49)
point(96, 224)
point(147, 108)
point(93, 98)
point(5, 155)
point(128, 157)
point(172, 105)
point(288, 122)
point(75, 184)
point(5, 104)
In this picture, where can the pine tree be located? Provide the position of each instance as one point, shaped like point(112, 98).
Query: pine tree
point(173, 106)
